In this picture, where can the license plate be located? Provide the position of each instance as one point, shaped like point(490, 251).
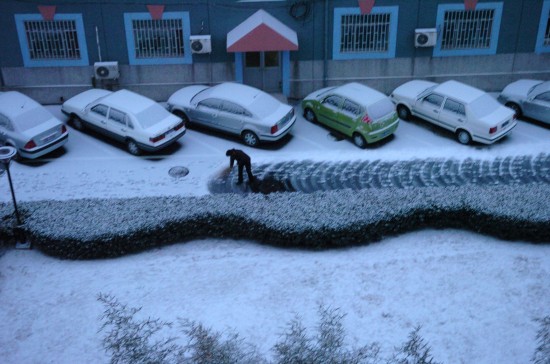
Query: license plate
point(49, 138)
point(505, 123)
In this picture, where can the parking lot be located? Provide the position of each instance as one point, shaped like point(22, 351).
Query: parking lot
point(92, 166)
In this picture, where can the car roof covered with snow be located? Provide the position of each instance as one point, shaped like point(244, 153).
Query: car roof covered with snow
point(359, 93)
point(13, 104)
point(459, 91)
point(256, 101)
point(128, 101)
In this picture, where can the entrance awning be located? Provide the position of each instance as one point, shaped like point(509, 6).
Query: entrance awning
point(261, 32)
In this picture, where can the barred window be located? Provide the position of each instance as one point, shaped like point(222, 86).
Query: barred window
point(363, 36)
point(158, 41)
point(158, 38)
point(365, 33)
point(467, 29)
point(543, 36)
point(57, 42)
point(468, 32)
point(56, 39)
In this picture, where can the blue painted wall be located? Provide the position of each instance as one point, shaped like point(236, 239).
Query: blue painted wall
point(518, 32)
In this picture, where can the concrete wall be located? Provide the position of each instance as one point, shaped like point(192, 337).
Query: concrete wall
point(53, 85)
point(490, 73)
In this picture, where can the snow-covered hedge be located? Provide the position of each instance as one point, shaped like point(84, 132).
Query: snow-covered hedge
point(98, 228)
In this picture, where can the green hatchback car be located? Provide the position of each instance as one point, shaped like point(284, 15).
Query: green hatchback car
point(353, 109)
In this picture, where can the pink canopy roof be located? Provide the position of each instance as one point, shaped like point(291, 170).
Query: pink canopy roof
point(261, 32)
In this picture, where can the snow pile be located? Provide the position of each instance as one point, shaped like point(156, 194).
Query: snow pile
point(97, 228)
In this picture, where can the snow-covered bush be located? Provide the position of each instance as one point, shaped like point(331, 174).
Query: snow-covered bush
point(131, 341)
point(414, 351)
point(128, 339)
point(98, 228)
point(328, 346)
point(542, 352)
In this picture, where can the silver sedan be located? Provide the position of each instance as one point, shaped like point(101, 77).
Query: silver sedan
point(28, 126)
point(233, 108)
point(528, 97)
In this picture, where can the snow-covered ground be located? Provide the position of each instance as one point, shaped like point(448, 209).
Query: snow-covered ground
point(475, 297)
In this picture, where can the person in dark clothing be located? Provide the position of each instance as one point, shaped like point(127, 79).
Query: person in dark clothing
point(243, 161)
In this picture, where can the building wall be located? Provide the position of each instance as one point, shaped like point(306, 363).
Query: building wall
point(312, 66)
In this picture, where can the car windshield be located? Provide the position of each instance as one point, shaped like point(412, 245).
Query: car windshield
point(263, 105)
point(32, 118)
point(484, 105)
point(380, 109)
point(151, 115)
point(538, 88)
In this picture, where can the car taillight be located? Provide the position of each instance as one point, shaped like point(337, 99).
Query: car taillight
point(157, 138)
point(179, 126)
point(493, 130)
point(63, 129)
point(30, 144)
point(366, 119)
point(274, 129)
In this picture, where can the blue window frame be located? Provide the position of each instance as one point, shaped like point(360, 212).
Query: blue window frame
point(52, 43)
point(543, 37)
point(162, 41)
point(463, 32)
point(363, 36)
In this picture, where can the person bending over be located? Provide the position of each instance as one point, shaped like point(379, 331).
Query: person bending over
point(243, 161)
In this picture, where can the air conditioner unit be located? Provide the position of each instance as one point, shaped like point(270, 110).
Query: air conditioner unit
point(425, 37)
point(200, 44)
point(106, 70)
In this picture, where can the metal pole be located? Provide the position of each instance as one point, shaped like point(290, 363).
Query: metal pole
point(13, 195)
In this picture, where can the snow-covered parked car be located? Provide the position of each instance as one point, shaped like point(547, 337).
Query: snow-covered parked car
point(355, 110)
point(528, 97)
point(28, 126)
point(234, 108)
point(470, 113)
point(135, 120)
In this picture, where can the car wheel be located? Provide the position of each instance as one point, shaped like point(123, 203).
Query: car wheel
point(78, 124)
point(403, 112)
point(310, 115)
point(359, 141)
point(180, 114)
point(463, 137)
point(250, 139)
point(515, 107)
point(132, 147)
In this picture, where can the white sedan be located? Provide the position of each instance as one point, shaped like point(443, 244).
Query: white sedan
point(135, 120)
point(471, 114)
point(233, 108)
point(28, 126)
point(528, 97)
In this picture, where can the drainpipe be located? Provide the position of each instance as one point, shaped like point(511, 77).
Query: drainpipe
point(1, 78)
point(325, 60)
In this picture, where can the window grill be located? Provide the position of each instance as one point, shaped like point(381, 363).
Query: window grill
point(467, 29)
point(158, 38)
point(362, 33)
point(57, 39)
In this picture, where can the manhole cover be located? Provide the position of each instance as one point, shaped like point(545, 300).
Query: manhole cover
point(178, 172)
